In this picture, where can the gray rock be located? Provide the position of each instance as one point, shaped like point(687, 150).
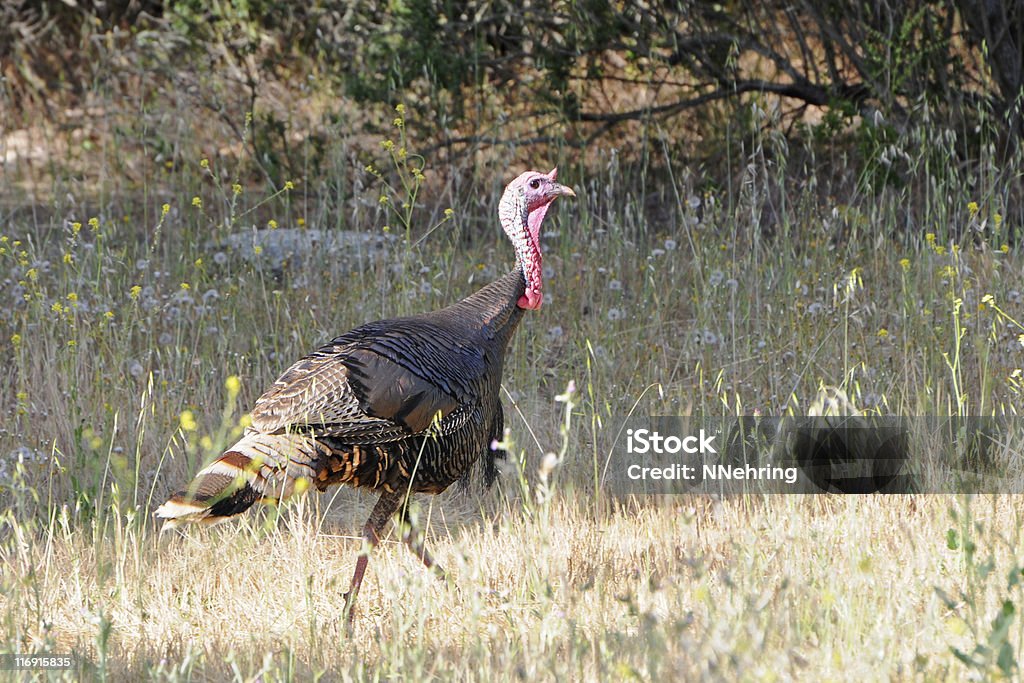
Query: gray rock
point(351, 248)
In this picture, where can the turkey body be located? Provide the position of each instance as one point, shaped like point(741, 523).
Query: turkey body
point(406, 405)
point(400, 406)
point(423, 392)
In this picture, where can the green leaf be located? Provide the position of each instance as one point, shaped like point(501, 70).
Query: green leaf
point(985, 568)
point(1006, 662)
point(1001, 625)
point(966, 658)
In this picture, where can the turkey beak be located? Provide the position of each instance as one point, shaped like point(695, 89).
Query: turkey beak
point(558, 189)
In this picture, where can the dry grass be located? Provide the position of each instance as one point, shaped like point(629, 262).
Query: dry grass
point(779, 588)
point(118, 337)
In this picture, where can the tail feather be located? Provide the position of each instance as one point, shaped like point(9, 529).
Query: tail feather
point(259, 468)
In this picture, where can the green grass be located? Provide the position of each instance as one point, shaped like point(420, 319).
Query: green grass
point(120, 339)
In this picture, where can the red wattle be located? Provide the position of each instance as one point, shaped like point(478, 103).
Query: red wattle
point(531, 301)
point(532, 272)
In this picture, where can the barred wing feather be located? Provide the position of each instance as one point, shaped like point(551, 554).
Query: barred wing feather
point(355, 394)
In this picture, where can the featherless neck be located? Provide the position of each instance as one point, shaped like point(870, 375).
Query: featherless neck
point(523, 228)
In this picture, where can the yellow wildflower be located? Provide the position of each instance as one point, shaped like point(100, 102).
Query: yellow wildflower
point(1005, 248)
point(905, 264)
point(197, 202)
point(972, 208)
point(188, 421)
point(134, 292)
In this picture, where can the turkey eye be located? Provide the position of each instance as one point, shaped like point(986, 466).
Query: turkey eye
point(535, 183)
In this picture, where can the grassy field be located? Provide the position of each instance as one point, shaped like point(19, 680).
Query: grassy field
point(132, 341)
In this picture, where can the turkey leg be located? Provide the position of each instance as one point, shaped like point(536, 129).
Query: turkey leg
point(379, 516)
point(413, 538)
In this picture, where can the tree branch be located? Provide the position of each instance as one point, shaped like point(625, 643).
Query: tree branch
point(805, 92)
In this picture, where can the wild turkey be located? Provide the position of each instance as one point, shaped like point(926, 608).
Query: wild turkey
point(398, 406)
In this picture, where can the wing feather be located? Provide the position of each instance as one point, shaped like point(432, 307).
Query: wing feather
point(345, 391)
